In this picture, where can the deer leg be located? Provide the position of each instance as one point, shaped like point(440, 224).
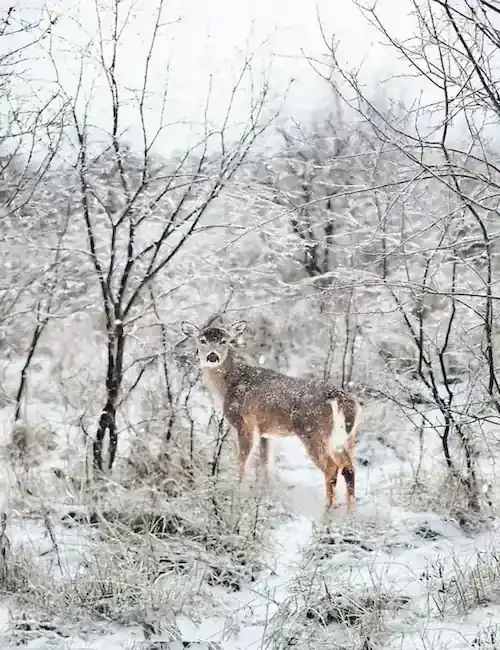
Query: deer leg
point(324, 461)
point(331, 474)
point(264, 455)
point(349, 475)
point(246, 442)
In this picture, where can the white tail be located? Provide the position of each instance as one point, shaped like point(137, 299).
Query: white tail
point(260, 403)
point(339, 435)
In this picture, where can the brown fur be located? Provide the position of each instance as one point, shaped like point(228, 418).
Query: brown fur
point(260, 403)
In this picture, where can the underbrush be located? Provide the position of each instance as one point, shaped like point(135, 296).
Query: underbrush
point(460, 585)
point(139, 549)
point(330, 611)
point(379, 581)
point(442, 493)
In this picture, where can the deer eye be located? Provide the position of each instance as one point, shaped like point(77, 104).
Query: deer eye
point(203, 341)
point(224, 341)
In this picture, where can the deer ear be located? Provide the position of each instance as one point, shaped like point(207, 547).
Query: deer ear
point(237, 329)
point(189, 329)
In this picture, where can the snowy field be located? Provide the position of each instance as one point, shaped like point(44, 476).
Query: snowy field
point(333, 179)
point(395, 574)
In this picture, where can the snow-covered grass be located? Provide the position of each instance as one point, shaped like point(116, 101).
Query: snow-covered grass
point(380, 289)
point(127, 565)
point(169, 549)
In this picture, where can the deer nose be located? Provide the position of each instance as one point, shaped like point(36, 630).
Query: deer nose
point(212, 357)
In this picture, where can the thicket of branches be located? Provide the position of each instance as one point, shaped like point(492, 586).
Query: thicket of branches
point(370, 216)
point(446, 237)
point(364, 245)
point(364, 250)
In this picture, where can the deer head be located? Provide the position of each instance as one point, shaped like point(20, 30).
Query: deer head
point(214, 343)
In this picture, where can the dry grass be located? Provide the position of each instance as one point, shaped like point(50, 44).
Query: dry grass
point(153, 542)
point(461, 585)
point(325, 613)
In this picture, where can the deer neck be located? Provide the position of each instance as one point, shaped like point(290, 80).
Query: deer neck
point(217, 379)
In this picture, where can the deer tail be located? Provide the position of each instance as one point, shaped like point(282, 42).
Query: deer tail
point(339, 435)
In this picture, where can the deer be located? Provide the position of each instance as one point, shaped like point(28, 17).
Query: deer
point(260, 403)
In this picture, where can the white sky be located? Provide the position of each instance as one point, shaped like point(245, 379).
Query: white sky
point(208, 40)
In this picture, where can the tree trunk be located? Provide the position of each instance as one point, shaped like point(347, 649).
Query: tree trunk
point(37, 333)
point(107, 419)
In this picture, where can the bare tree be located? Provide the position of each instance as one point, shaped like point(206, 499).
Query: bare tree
point(139, 213)
point(450, 270)
point(333, 177)
point(30, 135)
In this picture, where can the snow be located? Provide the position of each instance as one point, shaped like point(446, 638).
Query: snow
point(391, 544)
point(412, 567)
point(377, 548)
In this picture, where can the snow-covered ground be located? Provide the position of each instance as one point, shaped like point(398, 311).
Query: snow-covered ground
point(392, 577)
point(264, 568)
